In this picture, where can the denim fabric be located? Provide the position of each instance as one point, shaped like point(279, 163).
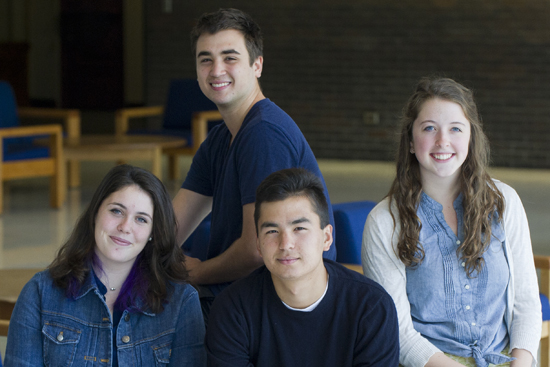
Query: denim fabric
point(459, 314)
point(49, 329)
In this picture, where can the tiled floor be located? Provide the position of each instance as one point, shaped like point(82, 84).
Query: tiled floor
point(31, 231)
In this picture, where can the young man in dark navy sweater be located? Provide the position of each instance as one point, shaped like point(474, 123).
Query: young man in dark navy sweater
point(300, 309)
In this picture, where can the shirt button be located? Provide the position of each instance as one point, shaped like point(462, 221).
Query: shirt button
point(473, 324)
point(467, 307)
point(463, 264)
point(127, 317)
point(467, 286)
point(457, 242)
point(60, 337)
point(125, 339)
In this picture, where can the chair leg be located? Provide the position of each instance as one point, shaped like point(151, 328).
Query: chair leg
point(173, 169)
point(544, 352)
point(74, 173)
point(1, 191)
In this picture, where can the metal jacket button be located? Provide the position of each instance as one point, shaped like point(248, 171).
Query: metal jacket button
point(125, 339)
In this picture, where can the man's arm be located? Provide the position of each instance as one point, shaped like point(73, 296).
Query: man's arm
point(190, 208)
point(239, 260)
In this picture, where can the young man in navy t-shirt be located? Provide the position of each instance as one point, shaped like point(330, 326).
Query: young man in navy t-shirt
point(256, 139)
point(300, 309)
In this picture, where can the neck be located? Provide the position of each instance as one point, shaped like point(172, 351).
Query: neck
point(304, 292)
point(444, 191)
point(112, 276)
point(233, 116)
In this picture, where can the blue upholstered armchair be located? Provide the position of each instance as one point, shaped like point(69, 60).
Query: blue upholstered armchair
point(187, 113)
point(22, 155)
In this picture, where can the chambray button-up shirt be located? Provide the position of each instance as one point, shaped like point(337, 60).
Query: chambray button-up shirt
point(461, 315)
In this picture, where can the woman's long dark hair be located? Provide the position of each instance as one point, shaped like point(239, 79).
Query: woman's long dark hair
point(482, 201)
point(161, 261)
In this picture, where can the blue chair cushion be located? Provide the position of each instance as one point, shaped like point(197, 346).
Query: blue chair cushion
point(545, 307)
point(197, 244)
point(8, 106)
point(349, 222)
point(15, 149)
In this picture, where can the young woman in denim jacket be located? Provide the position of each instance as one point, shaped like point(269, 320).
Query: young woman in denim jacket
point(451, 245)
point(116, 294)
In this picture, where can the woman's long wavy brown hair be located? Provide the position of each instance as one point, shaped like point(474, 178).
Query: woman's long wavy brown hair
point(482, 201)
point(161, 261)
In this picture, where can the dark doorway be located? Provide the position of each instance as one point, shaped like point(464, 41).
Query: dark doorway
point(92, 54)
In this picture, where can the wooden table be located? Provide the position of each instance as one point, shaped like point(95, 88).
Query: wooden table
point(118, 148)
point(12, 282)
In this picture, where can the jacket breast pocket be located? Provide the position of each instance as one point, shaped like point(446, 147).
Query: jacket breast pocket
point(60, 342)
point(162, 354)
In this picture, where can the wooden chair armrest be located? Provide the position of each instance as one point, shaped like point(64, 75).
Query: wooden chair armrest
point(123, 115)
point(71, 117)
point(199, 126)
point(354, 267)
point(4, 325)
point(542, 262)
point(20, 131)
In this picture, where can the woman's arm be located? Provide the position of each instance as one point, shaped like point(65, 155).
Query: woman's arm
point(188, 344)
point(382, 265)
point(24, 348)
point(526, 323)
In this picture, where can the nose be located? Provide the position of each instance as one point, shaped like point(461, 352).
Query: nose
point(442, 139)
point(124, 225)
point(218, 69)
point(286, 241)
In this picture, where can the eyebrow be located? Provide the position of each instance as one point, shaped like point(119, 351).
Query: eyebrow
point(296, 221)
point(435, 122)
point(124, 207)
point(224, 52)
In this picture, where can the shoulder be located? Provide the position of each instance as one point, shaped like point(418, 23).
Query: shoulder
point(359, 285)
point(184, 292)
point(267, 118)
point(37, 284)
point(381, 216)
point(512, 200)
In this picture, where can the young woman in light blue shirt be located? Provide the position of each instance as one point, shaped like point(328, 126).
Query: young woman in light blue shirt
point(451, 245)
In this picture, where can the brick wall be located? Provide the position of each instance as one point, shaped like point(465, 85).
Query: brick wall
point(328, 62)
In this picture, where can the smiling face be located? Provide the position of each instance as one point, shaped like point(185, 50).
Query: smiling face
point(441, 135)
point(291, 240)
point(123, 225)
point(223, 69)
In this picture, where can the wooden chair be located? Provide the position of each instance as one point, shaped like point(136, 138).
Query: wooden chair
point(187, 113)
point(21, 156)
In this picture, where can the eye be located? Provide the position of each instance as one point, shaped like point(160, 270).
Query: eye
point(456, 129)
point(142, 220)
point(205, 60)
point(115, 211)
point(230, 58)
point(429, 128)
point(300, 228)
point(271, 231)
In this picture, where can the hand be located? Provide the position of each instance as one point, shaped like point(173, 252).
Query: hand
point(191, 264)
point(523, 358)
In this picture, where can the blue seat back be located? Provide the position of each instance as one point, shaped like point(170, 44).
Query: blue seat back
point(14, 149)
point(349, 221)
point(184, 98)
point(545, 307)
point(8, 106)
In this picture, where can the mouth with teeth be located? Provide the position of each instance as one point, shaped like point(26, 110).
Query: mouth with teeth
point(442, 156)
point(219, 85)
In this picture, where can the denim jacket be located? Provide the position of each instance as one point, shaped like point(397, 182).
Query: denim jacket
point(49, 329)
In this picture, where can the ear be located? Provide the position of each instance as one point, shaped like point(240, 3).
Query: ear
point(258, 66)
point(412, 147)
point(327, 232)
point(258, 246)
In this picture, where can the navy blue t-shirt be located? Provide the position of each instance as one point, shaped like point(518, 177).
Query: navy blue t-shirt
point(268, 141)
point(355, 324)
